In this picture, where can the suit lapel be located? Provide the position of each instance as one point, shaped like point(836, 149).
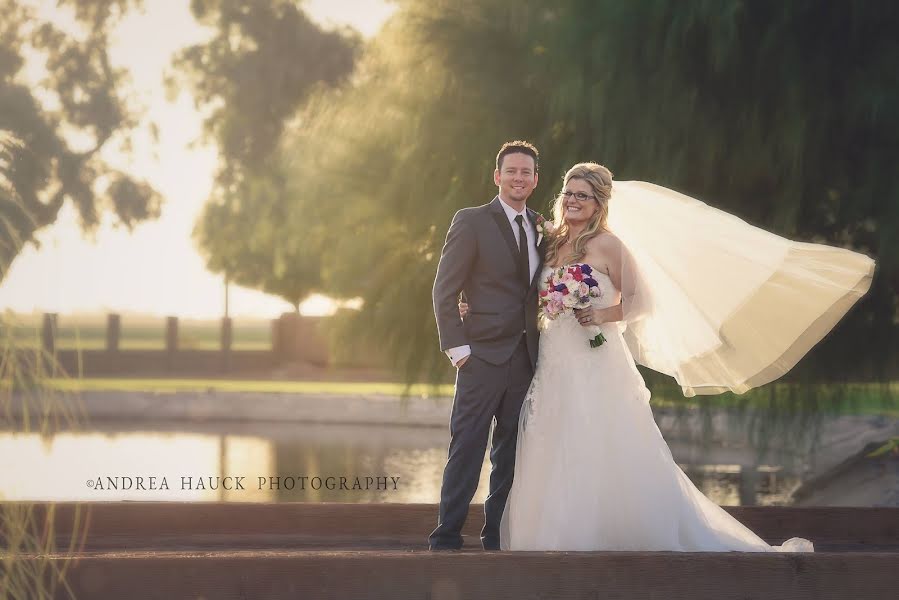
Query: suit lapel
point(532, 217)
point(502, 221)
point(505, 228)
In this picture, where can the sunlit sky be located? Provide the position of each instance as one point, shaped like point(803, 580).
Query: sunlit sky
point(155, 269)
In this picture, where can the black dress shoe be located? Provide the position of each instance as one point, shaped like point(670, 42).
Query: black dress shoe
point(490, 545)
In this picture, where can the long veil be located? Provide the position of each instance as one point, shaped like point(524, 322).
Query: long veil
point(719, 304)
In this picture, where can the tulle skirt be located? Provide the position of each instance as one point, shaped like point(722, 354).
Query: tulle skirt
point(592, 470)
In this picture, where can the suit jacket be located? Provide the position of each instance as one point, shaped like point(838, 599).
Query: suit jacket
point(479, 259)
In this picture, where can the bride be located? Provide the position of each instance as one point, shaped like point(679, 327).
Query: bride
point(681, 288)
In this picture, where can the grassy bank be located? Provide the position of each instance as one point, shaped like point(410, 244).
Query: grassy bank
point(164, 386)
point(852, 398)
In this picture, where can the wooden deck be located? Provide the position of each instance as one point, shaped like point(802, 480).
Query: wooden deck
point(140, 550)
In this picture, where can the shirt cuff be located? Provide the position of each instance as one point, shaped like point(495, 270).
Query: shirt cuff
point(458, 353)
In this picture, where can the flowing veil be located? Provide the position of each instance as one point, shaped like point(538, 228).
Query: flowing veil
point(719, 304)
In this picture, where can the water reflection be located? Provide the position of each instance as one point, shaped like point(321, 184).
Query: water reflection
point(258, 462)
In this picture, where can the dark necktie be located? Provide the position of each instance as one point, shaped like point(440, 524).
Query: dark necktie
point(523, 265)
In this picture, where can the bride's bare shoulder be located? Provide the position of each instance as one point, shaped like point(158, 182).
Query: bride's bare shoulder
point(606, 242)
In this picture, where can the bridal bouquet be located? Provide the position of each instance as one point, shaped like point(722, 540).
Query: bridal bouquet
point(568, 288)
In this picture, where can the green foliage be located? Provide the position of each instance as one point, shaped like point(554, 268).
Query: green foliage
point(251, 77)
point(264, 59)
point(389, 159)
point(56, 129)
point(774, 111)
point(246, 236)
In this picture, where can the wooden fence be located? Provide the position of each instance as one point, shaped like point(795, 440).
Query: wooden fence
point(294, 339)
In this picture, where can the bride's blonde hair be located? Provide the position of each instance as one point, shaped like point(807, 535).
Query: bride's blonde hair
point(599, 179)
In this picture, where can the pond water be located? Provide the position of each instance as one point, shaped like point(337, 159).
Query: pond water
point(264, 462)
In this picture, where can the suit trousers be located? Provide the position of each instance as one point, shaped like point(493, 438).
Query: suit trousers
point(485, 393)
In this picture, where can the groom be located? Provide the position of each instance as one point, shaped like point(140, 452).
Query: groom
point(492, 254)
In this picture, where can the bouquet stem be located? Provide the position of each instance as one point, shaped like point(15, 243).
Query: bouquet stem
point(598, 340)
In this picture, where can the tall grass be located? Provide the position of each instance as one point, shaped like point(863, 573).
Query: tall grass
point(33, 566)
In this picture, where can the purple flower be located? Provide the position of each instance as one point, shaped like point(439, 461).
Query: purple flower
point(591, 282)
point(586, 269)
point(559, 287)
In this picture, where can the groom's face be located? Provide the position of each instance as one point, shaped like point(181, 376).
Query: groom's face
point(516, 177)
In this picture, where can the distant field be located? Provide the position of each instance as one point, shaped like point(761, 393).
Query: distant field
point(142, 333)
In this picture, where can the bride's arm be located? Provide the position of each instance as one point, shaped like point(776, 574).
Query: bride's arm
point(610, 248)
point(622, 270)
point(636, 297)
point(610, 314)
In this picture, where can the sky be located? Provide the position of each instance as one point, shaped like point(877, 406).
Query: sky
point(155, 269)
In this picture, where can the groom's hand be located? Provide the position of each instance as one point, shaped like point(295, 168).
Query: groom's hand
point(462, 361)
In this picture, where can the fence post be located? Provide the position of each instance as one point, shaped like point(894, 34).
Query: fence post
point(277, 342)
point(49, 332)
point(297, 338)
point(749, 480)
point(113, 332)
point(171, 341)
point(226, 343)
point(286, 328)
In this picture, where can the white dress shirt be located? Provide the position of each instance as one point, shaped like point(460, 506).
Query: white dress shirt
point(459, 352)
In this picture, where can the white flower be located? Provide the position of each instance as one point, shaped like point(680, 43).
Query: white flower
point(543, 227)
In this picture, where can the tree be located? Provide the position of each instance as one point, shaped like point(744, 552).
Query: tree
point(775, 112)
point(761, 107)
point(246, 236)
point(411, 140)
point(57, 157)
point(251, 77)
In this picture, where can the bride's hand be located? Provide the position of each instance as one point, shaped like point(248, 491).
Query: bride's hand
point(463, 310)
point(589, 316)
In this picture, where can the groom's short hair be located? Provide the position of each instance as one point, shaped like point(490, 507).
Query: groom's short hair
point(521, 147)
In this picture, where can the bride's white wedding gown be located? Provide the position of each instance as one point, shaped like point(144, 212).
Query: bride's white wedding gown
point(592, 470)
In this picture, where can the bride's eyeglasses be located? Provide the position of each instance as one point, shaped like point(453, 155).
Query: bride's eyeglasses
point(579, 196)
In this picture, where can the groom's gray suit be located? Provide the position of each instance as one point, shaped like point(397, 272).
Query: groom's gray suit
point(481, 259)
